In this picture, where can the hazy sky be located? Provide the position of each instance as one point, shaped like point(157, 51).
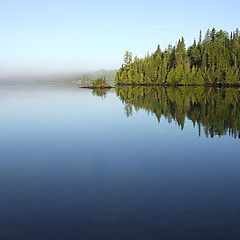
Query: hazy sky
point(75, 35)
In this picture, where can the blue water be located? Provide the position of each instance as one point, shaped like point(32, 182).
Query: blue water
point(73, 166)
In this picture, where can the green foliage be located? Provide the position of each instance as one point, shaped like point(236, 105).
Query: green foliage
point(214, 60)
point(100, 83)
point(87, 78)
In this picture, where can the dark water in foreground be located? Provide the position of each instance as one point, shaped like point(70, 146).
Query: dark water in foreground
point(74, 166)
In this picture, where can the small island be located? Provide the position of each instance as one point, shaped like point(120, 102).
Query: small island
point(99, 83)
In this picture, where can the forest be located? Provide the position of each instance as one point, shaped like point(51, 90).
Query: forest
point(212, 60)
point(215, 111)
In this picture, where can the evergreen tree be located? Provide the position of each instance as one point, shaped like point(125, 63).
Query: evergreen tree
point(214, 60)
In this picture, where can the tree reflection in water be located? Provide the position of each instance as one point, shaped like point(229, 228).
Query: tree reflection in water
point(216, 111)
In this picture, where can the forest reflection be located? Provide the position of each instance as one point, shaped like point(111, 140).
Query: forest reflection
point(100, 92)
point(215, 111)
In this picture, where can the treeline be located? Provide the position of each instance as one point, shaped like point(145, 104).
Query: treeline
point(212, 60)
point(215, 111)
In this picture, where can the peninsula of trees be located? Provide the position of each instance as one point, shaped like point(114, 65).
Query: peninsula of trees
point(212, 60)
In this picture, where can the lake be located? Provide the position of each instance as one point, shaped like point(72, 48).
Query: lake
point(135, 163)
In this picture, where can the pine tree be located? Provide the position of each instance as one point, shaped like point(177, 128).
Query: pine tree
point(214, 60)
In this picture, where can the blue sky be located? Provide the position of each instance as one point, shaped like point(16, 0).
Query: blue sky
point(71, 35)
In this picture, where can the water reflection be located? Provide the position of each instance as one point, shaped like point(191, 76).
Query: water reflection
point(216, 111)
point(72, 166)
point(100, 92)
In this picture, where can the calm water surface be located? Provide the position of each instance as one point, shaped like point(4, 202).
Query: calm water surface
point(74, 166)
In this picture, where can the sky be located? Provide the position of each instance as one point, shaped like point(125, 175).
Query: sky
point(56, 36)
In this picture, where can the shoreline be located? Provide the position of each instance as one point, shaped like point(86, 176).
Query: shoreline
point(220, 85)
point(101, 87)
point(179, 85)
